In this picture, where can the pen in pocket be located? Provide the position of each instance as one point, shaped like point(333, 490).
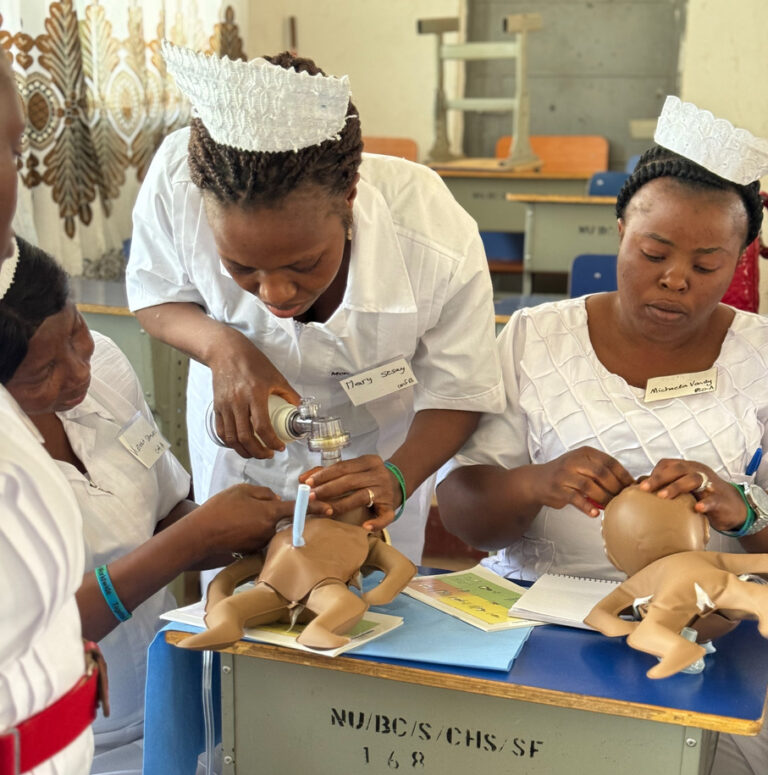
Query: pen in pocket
point(754, 463)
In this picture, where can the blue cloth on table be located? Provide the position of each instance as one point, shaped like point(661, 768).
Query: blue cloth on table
point(429, 635)
point(174, 732)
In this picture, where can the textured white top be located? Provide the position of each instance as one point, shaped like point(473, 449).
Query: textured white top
point(418, 287)
point(41, 567)
point(561, 397)
point(714, 143)
point(121, 502)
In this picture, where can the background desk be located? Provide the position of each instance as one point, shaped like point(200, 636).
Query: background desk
point(558, 228)
point(574, 702)
point(480, 186)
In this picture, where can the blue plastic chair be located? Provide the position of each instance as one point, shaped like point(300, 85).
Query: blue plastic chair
point(606, 183)
point(592, 273)
point(632, 163)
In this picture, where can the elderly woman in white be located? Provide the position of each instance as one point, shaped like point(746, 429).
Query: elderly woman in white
point(139, 528)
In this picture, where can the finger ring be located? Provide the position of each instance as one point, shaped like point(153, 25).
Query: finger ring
point(370, 499)
point(706, 484)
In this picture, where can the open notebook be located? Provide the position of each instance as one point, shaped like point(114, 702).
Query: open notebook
point(561, 599)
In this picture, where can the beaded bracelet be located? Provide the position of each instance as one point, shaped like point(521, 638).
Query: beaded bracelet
point(748, 522)
point(122, 614)
point(398, 474)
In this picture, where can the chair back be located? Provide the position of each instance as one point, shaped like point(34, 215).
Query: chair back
point(632, 163)
point(606, 183)
point(403, 147)
point(564, 155)
point(592, 273)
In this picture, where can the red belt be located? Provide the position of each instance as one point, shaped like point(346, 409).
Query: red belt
point(43, 735)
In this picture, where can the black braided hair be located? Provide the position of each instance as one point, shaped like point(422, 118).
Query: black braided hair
point(255, 178)
point(40, 288)
point(659, 162)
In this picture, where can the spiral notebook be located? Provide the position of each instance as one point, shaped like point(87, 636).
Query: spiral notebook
point(561, 599)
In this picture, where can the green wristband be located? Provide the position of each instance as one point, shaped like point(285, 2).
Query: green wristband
point(748, 522)
point(398, 474)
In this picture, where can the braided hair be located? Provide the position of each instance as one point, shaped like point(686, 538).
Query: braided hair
point(256, 178)
point(40, 288)
point(659, 162)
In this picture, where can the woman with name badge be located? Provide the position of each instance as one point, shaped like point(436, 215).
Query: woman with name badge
point(658, 378)
point(287, 263)
point(139, 529)
point(48, 682)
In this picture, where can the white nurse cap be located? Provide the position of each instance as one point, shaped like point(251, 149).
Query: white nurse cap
point(258, 106)
point(714, 143)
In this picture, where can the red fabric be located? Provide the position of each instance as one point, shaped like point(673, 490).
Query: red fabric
point(743, 292)
point(53, 729)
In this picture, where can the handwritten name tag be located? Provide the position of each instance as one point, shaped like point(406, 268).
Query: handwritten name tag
point(378, 381)
point(143, 440)
point(681, 385)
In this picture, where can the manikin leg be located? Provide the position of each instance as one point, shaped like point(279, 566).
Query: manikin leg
point(227, 619)
point(659, 634)
point(337, 609)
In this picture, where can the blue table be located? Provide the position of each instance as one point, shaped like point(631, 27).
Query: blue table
point(574, 702)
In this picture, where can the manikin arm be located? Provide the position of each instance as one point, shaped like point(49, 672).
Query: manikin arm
point(398, 571)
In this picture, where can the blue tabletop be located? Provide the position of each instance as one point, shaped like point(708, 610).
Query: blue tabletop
point(734, 683)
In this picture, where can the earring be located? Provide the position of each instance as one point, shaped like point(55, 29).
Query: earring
point(349, 234)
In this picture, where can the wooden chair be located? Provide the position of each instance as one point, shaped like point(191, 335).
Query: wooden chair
point(578, 155)
point(403, 147)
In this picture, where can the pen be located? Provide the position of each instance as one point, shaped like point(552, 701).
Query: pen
point(754, 464)
point(300, 514)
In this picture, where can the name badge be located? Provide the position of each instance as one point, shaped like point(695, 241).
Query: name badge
point(681, 385)
point(378, 381)
point(143, 440)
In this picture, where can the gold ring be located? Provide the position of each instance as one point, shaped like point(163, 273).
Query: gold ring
point(370, 498)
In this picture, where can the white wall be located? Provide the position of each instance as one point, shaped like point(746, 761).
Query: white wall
point(392, 69)
point(723, 69)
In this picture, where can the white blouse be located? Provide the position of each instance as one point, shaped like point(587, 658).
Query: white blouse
point(560, 397)
point(418, 288)
point(121, 502)
point(41, 568)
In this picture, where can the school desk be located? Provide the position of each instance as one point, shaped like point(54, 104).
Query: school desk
point(480, 185)
point(558, 228)
point(574, 702)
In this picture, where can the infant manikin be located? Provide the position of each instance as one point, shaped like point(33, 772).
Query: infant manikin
point(674, 583)
point(309, 582)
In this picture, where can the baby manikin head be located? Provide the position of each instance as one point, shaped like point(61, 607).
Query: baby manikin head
point(639, 527)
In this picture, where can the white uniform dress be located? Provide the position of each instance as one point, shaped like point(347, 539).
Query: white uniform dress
point(121, 502)
point(560, 397)
point(41, 567)
point(418, 287)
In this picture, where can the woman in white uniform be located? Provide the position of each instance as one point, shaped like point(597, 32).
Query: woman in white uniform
point(582, 378)
point(42, 661)
point(139, 529)
point(285, 263)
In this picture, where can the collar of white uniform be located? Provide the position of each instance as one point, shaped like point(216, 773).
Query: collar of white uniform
point(378, 278)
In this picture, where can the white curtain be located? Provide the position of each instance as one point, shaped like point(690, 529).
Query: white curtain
point(98, 102)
